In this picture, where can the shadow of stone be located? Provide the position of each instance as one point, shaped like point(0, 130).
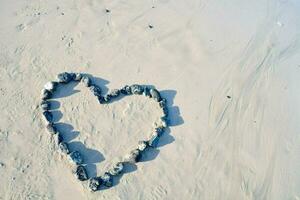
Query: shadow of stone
point(91, 169)
point(64, 90)
point(54, 104)
point(174, 116)
point(149, 154)
point(57, 115)
point(66, 131)
point(90, 156)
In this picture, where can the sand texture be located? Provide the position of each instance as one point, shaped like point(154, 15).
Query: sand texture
point(230, 71)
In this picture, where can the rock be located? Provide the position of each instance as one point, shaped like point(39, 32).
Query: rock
point(153, 141)
point(95, 90)
point(155, 95)
point(48, 116)
point(114, 93)
point(77, 77)
point(137, 89)
point(64, 147)
point(101, 99)
point(50, 86)
point(86, 81)
point(165, 111)
point(126, 90)
point(58, 138)
point(107, 179)
point(51, 128)
point(164, 122)
point(76, 157)
point(133, 157)
point(163, 103)
point(146, 92)
point(107, 98)
point(45, 94)
point(142, 145)
point(64, 77)
point(159, 131)
point(117, 169)
point(94, 183)
point(80, 173)
point(45, 105)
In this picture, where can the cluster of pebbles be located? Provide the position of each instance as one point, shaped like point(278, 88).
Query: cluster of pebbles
point(106, 180)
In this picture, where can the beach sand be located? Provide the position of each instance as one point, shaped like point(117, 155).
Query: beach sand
point(230, 71)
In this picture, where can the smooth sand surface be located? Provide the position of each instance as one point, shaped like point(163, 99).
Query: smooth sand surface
point(230, 71)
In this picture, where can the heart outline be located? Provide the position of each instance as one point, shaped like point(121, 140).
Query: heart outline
point(65, 78)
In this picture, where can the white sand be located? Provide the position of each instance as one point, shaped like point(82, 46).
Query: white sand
point(197, 53)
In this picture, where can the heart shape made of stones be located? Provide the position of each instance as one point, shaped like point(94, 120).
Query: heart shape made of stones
point(134, 156)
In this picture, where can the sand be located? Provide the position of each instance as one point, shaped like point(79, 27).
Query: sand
point(230, 71)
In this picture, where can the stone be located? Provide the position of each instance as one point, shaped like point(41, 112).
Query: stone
point(64, 147)
point(107, 179)
point(133, 157)
point(101, 99)
point(164, 121)
point(81, 173)
point(142, 145)
point(86, 81)
point(76, 157)
point(48, 116)
point(146, 92)
point(45, 105)
point(64, 77)
point(126, 90)
point(114, 93)
point(155, 94)
point(51, 128)
point(106, 98)
point(58, 138)
point(153, 141)
point(95, 183)
point(137, 89)
point(51, 86)
point(163, 103)
point(117, 169)
point(77, 77)
point(45, 94)
point(159, 131)
point(95, 90)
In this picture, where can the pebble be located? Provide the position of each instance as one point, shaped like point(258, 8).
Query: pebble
point(117, 169)
point(50, 86)
point(58, 138)
point(77, 77)
point(64, 148)
point(155, 94)
point(48, 116)
point(114, 93)
point(51, 129)
point(45, 105)
point(142, 145)
point(137, 89)
point(163, 103)
point(76, 157)
point(107, 179)
point(94, 183)
point(95, 90)
point(146, 92)
point(101, 99)
point(153, 141)
point(81, 173)
point(159, 131)
point(126, 90)
point(86, 81)
point(164, 121)
point(45, 94)
point(65, 77)
point(133, 157)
